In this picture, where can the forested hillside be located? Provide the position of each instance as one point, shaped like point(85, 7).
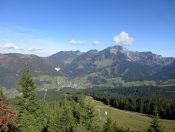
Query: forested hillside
point(65, 110)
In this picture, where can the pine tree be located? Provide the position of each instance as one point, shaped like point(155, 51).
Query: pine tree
point(108, 126)
point(27, 101)
point(30, 117)
point(155, 123)
point(67, 120)
point(88, 116)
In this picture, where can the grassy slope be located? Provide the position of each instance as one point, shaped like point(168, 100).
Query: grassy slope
point(126, 119)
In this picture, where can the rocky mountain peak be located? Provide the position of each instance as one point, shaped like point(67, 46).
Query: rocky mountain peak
point(117, 48)
point(92, 51)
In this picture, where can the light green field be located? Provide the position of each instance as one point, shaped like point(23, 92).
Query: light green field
point(125, 119)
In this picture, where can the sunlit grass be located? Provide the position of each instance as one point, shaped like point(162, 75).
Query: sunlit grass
point(127, 119)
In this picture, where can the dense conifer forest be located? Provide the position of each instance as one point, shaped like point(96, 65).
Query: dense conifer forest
point(143, 99)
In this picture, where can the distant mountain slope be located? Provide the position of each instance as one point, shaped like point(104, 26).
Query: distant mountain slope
point(167, 72)
point(11, 66)
point(63, 58)
point(117, 61)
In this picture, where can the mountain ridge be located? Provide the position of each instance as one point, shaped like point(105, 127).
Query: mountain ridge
point(115, 61)
point(111, 62)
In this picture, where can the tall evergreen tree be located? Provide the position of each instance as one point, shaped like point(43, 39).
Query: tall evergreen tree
point(30, 117)
point(27, 101)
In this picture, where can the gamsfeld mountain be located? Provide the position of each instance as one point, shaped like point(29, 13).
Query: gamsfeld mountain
point(115, 61)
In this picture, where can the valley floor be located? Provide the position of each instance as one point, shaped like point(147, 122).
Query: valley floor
point(126, 119)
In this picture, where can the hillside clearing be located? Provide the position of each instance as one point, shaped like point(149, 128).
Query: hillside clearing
point(127, 119)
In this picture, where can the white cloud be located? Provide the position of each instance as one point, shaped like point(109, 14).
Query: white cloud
point(34, 49)
point(73, 42)
point(26, 41)
point(10, 46)
point(123, 39)
point(77, 41)
point(96, 42)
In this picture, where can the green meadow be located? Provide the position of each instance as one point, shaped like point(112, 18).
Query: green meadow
point(126, 119)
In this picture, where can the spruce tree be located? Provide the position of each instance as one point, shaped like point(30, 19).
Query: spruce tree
point(27, 101)
point(30, 117)
point(108, 126)
point(155, 123)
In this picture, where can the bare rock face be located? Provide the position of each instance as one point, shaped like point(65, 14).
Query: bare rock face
point(117, 61)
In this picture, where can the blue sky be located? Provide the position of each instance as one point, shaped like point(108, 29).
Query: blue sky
point(44, 27)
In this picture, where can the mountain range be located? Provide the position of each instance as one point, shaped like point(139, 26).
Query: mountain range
point(115, 61)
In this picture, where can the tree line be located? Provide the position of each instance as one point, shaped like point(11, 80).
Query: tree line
point(165, 107)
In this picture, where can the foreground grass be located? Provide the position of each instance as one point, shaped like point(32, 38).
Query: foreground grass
point(126, 119)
